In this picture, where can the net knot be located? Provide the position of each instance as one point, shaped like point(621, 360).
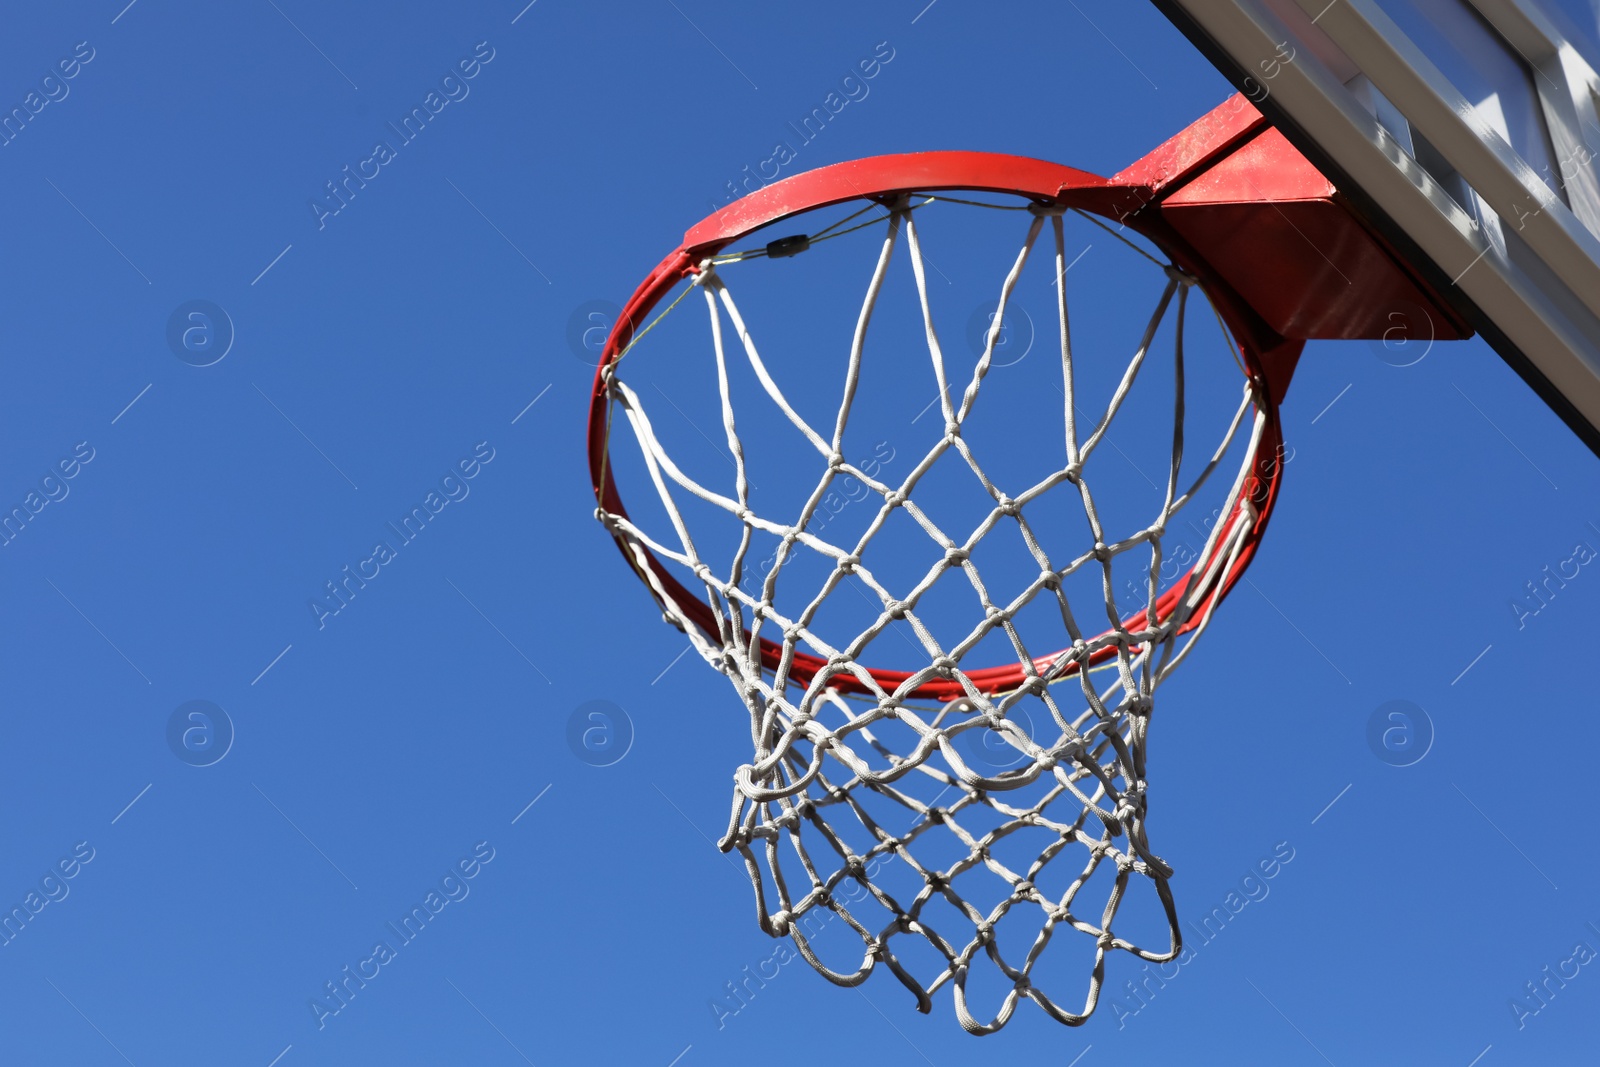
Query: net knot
point(1070, 749)
point(1023, 890)
point(1130, 807)
point(984, 933)
point(1181, 277)
point(780, 922)
point(1102, 551)
point(1047, 210)
point(956, 556)
point(944, 666)
point(835, 462)
point(1008, 506)
point(849, 564)
point(894, 498)
point(895, 609)
point(952, 431)
point(1106, 939)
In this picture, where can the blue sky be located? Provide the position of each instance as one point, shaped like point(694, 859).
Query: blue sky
point(424, 746)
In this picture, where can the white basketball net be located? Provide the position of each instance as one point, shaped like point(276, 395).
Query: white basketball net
point(801, 816)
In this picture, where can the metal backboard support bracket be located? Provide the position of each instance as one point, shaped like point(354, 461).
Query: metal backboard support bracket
point(1468, 136)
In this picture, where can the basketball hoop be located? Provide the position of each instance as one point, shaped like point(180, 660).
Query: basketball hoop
point(837, 743)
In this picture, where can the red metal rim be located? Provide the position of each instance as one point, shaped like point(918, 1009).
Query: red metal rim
point(884, 176)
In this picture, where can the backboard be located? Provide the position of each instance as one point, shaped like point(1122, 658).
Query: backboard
point(1467, 133)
